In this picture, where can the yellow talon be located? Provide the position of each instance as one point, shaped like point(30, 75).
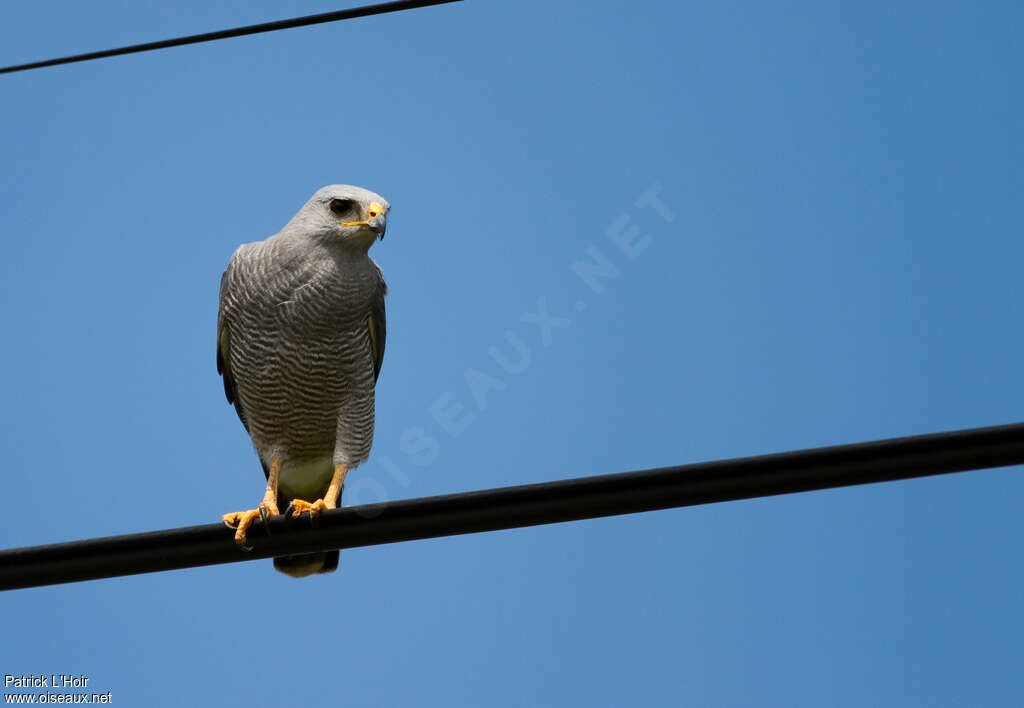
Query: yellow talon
point(240, 521)
point(301, 505)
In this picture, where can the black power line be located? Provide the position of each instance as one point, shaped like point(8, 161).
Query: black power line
point(514, 507)
point(236, 32)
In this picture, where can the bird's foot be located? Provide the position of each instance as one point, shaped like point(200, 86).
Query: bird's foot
point(240, 521)
point(299, 506)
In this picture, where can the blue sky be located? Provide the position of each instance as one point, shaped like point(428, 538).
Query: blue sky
point(831, 254)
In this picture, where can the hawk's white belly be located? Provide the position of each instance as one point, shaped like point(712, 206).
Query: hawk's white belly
point(306, 479)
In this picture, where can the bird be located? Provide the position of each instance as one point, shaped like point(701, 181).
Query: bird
point(300, 341)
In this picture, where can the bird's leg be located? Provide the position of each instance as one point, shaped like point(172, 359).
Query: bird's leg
point(242, 520)
point(330, 498)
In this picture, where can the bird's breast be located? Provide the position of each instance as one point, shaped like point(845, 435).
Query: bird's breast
point(300, 349)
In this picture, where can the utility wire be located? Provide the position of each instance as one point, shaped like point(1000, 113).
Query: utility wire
point(236, 32)
point(514, 507)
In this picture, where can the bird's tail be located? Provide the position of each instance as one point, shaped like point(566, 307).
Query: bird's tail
point(306, 564)
point(303, 564)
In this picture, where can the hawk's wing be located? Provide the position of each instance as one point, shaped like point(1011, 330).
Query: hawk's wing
point(224, 343)
point(377, 323)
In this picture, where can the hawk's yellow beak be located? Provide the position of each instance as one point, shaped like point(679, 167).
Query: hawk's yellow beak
point(375, 219)
point(372, 212)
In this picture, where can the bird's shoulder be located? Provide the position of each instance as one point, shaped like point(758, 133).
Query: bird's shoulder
point(265, 258)
point(380, 277)
point(264, 268)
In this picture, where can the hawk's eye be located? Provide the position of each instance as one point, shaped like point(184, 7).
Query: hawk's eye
point(342, 206)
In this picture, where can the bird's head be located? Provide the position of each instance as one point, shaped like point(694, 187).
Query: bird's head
point(347, 215)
